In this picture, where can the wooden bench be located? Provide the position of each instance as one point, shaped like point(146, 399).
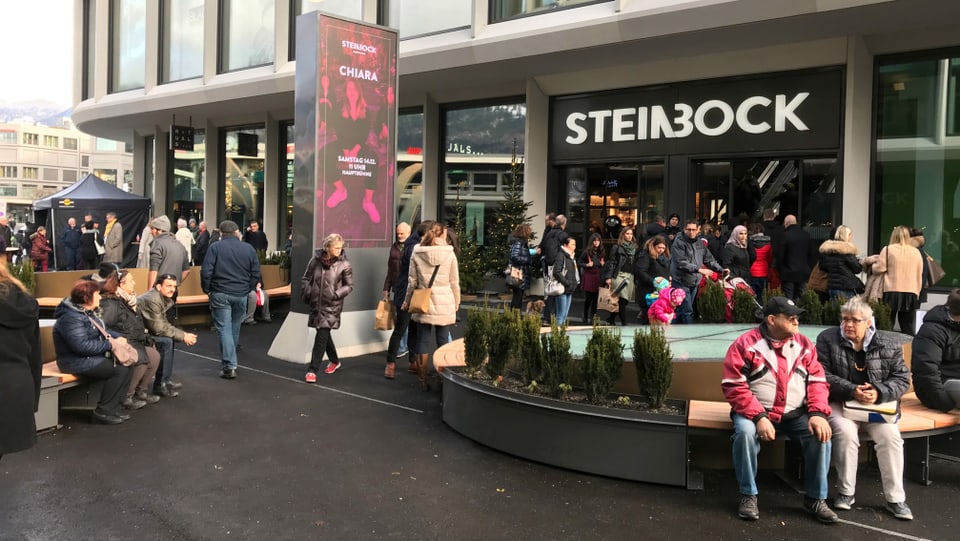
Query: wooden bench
point(58, 389)
point(53, 287)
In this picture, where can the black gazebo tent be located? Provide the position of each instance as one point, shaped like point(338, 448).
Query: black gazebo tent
point(91, 195)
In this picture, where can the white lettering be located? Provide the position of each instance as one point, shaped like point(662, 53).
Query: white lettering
point(620, 124)
point(784, 112)
point(700, 118)
point(642, 123)
point(579, 132)
point(598, 123)
point(360, 47)
point(743, 115)
point(357, 73)
point(659, 123)
point(683, 119)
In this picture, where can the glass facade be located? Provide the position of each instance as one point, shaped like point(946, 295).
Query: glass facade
point(243, 166)
point(917, 172)
point(409, 194)
point(189, 176)
point(128, 44)
point(506, 9)
point(89, 50)
point(419, 17)
point(345, 8)
point(247, 33)
point(287, 174)
point(478, 152)
point(181, 40)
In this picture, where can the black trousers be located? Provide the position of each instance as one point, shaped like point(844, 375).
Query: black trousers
point(590, 299)
point(517, 300)
point(116, 379)
point(323, 343)
point(401, 327)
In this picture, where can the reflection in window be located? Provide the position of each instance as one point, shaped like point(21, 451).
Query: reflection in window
point(69, 143)
point(182, 39)
point(107, 175)
point(344, 8)
point(106, 145)
point(418, 17)
point(906, 99)
point(505, 9)
point(244, 158)
point(247, 28)
point(188, 179)
point(128, 43)
point(476, 162)
point(89, 47)
point(287, 174)
point(616, 196)
point(409, 166)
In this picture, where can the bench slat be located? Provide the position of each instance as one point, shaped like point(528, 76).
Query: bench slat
point(51, 370)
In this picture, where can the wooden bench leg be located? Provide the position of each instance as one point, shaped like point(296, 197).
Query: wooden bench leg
point(916, 460)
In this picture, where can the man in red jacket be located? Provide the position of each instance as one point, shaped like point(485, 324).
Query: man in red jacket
point(775, 384)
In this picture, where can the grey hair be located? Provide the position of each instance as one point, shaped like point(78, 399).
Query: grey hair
point(560, 220)
point(181, 223)
point(331, 239)
point(857, 304)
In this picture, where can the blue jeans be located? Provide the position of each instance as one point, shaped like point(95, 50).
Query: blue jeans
point(165, 371)
point(563, 306)
point(685, 310)
point(746, 447)
point(845, 293)
point(228, 312)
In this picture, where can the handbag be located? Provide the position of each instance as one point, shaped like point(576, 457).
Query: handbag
point(818, 280)
point(622, 285)
point(608, 300)
point(935, 271)
point(551, 286)
point(514, 276)
point(384, 319)
point(420, 300)
point(880, 412)
point(100, 248)
point(122, 351)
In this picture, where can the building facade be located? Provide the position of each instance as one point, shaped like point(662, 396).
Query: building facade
point(38, 161)
point(839, 111)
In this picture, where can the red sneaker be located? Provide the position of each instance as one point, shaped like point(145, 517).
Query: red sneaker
point(311, 377)
point(331, 368)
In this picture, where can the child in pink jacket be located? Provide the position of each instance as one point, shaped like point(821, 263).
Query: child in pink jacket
point(662, 311)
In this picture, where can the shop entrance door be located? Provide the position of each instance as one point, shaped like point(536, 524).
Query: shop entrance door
point(732, 192)
point(606, 198)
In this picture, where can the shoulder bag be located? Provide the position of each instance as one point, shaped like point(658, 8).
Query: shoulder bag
point(122, 351)
point(551, 286)
point(935, 271)
point(420, 300)
point(514, 276)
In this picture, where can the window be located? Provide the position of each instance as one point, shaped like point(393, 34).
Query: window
point(418, 17)
point(50, 173)
point(287, 173)
point(243, 166)
point(247, 34)
point(506, 9)
point(106, 175)
point(189, 178)
point(8, 171)
point(89, 48)
point(31, 173)
point(906, 99)
point(31, 138)
point(106, 145)
point(182, 40)
point(69, 143)
point(128, 43)
point(70, 175)
point(84, 161)
point(8, 136)
point(346, 8)
point(8, 190)
point(51, 141)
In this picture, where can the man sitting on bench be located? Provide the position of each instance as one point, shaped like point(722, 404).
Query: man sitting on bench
point(153, 307)
point(936, 354)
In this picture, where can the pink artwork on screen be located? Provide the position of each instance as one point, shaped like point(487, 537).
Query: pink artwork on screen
point(356, 116)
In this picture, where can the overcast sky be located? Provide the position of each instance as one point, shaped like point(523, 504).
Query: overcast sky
point(37, 45)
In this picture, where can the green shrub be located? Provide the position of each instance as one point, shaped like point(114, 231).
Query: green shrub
point(744, 307)
point(556, 358)
point(502, 340)
point(831, 311)
point(712, 303)
point(531, 352)
point(882, 314)
point(767, 293)
point(601, 364)
point(475, 338)
point(810, 302)
point(24, 272)
point(654, 364)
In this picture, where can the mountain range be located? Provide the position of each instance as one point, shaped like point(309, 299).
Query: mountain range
point(46, 113)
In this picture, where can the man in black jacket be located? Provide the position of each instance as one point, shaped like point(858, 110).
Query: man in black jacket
point(936, 354)
point(796, 258)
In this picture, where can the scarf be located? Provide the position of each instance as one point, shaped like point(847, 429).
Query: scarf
point(130, 299)
point(735, 237)
point(629, 249)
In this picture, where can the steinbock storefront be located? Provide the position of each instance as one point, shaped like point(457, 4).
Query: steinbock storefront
point(721, 150)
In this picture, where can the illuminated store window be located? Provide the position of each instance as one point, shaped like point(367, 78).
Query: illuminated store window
point(128, 44)
point(243, 173)
point(189, 178)
point(247, 33)
point(181, 40)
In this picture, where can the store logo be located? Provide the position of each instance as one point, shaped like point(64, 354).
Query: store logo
point(653, 122)
point(66, 203)
point(359, 47)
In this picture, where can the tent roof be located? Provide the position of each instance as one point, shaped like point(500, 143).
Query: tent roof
point(91, 192)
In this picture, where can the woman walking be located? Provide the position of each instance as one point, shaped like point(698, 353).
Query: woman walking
point(902, 269)
point(591, 261)
point(20, 364)
point(618, 272)
point(652, 262)
point(326, 282)
point(838, 258)
point(520, 257)
point(433, 266)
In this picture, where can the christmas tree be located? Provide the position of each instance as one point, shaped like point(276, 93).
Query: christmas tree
point(511, 212)
point(471, 266)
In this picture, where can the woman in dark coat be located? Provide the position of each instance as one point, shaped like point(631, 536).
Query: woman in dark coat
point(120, 315)
point(838, 258)
point(520, 257)
point(83, 350)
point(619, 269)
point(89, 239)
point(737, 255)
point(326, 282)
point(590, 262)
point(20, 364)
point(652, 262)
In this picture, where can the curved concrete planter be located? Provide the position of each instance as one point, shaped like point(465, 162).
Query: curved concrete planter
point(635, 445)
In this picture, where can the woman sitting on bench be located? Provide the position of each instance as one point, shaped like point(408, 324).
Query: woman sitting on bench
point(83, 350)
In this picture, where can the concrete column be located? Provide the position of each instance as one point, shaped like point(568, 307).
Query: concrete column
point(535, 166)
point(151, 61)
point(161, 154)
point(101, 68)
point(139, 163)
point(211, 14)
point(432, 159)
point(271, 186)
point(212, 198)
point(857, 143)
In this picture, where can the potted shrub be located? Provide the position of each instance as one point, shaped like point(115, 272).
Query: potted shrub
point(744, 307)
point(882, 315)
point(810, 302)
point(475, 338)
point(712, 303)
point(556, 358)
point(654, 364)
point(601, 364)
point(24, 272)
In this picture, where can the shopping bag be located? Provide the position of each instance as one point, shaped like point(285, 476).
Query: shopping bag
point(607, 300)
point(384, 318)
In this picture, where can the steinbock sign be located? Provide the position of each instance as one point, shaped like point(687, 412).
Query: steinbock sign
point(797, 111)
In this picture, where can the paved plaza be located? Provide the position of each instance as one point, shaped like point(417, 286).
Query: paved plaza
point(268, 457)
